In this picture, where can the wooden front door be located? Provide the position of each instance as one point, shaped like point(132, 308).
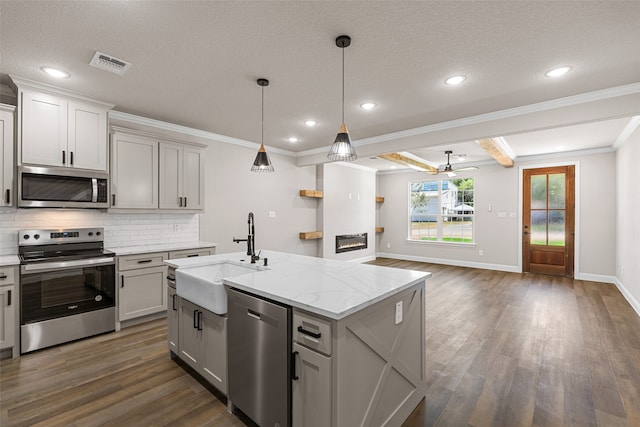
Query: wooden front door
point(548, 220)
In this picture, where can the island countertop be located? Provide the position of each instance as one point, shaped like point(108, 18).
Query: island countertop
point(329, 288)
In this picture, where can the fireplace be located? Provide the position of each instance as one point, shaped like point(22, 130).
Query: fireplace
point(351, 242)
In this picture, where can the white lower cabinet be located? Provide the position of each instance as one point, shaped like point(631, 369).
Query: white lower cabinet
point(9, 321)
point(311, 388)
point(203, 342)
point(142, 285)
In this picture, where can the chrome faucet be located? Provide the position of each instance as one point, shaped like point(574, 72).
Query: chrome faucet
point(251, 243)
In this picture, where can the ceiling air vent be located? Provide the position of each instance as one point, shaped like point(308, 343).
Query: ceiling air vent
point(109, 63)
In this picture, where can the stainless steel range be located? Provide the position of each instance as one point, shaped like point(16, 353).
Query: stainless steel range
point(67, 286)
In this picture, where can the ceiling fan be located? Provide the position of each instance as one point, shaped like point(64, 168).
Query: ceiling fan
point(448, 169)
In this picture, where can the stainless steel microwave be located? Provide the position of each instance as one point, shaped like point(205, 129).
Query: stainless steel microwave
point(55, 187)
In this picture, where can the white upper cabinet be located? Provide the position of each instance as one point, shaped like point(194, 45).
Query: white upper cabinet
point(59, 129)
point(6, 156)
point(181, 177)
point(134, 172)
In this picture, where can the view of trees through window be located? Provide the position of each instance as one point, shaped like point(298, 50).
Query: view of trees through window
point(442, 210)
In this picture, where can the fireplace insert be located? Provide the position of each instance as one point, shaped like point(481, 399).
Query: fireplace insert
point(351, 242)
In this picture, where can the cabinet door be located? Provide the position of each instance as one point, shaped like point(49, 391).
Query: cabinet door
point(190, 341)
point(214, 358)
point(134, 172)
point(7, 319)
point(171, 167)
point(6, 158)
point(173, 320)
point(193, 182)
point(142, 292)
point(87, 136)
point(44, 129)
point(311, 392)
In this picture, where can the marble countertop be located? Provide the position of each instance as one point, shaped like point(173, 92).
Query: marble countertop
point(134, 250)
point(7, 260)
point(329, 288)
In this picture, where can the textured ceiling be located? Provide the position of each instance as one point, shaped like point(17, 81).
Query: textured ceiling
point(195, 63)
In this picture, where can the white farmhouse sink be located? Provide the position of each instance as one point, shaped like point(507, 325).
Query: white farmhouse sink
point(203, 285)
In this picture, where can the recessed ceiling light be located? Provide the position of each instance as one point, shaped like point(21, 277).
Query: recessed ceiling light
point(54, 72)
point(557, 72)
point(455, 80)
point(310, 123)
point(293, 139)
point(368, 105)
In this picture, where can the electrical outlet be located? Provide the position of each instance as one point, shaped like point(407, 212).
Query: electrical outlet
point(480, 252)
point(176, 227)
point(272, 214)
point(398, 312)
point(388, 245)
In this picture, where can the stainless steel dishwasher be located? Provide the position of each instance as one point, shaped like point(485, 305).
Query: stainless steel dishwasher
point(259, 351)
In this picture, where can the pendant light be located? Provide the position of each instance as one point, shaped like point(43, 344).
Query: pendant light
point(342, 148)
point(262, 162)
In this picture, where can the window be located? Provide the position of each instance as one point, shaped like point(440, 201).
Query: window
point(442, 210)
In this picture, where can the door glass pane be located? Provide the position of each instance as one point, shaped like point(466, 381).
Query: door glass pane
point(538, 227)
point(556, 227)
point(539, 192)
point(556, 191)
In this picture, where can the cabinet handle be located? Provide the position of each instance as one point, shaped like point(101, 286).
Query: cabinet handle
point(293, 366)
point(7, 195)
point(9, 298)
point(192, 255)
point(3, 276)
point(122, 281)
point(200, 320)
point(179, 202)
point(144, 261)
point(195, 319)
point(185, 202)
point(173, 303)
point(311, 334)
point(64, 158)
point(71, 157)
point(113, 200)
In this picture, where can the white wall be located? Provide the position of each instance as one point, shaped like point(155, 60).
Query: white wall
point(121, 230)
point(348, 207)
point(628, 220)
point(498, 236)
point(232, 191)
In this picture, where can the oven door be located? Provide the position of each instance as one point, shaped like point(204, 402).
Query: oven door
point(51, 290)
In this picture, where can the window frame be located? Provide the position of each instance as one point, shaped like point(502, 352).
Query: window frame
point(441, 215)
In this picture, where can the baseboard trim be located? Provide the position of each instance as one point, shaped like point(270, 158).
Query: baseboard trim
point(363, 259)
point(628, 296)
point(457, 263)
point(603, 278)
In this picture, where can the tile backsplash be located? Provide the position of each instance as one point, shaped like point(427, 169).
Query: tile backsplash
point(121, 229)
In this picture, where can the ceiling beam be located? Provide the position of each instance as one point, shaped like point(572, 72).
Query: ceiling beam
point(496, 148)
point(407, 161)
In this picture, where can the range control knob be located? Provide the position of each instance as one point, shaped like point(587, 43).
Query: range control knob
point(36, 236)
point(26, 237)
point(90, 233)
point(98, 233)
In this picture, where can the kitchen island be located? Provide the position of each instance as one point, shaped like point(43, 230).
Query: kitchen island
point(357, 340)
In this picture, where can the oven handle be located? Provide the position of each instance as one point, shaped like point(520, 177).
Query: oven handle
point(61, 265)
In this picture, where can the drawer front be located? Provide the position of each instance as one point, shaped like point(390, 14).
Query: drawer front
point(312, 332)
point(7, 276)
point(131, 262)
point(188, 253)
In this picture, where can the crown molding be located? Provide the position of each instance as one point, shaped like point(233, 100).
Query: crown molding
point(627, 132)
point(124, 119)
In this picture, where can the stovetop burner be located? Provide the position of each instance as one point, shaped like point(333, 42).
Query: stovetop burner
point(61, 245)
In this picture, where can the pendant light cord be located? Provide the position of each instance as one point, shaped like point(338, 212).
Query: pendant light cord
point(262, 121)
point(343, 85)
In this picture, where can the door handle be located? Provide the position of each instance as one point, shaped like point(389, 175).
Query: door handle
point(64, 158)
point(526, 232)
point(7, 195)
point(122, 281)
point(293, 366)
point(71, 157)
point(200, 320)
point(179, 202)
point(185, 202)
point(9, 298)
point(113, 200)
point(253, 314)
point(195, 319)
point(173, 302)
point(311, 334)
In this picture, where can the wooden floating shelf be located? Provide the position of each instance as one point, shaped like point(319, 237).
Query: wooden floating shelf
point(379, 199)
point(379, 229)
point(311, 235)
point(311, 193)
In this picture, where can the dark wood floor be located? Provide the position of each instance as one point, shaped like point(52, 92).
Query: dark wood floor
point(503, 349)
